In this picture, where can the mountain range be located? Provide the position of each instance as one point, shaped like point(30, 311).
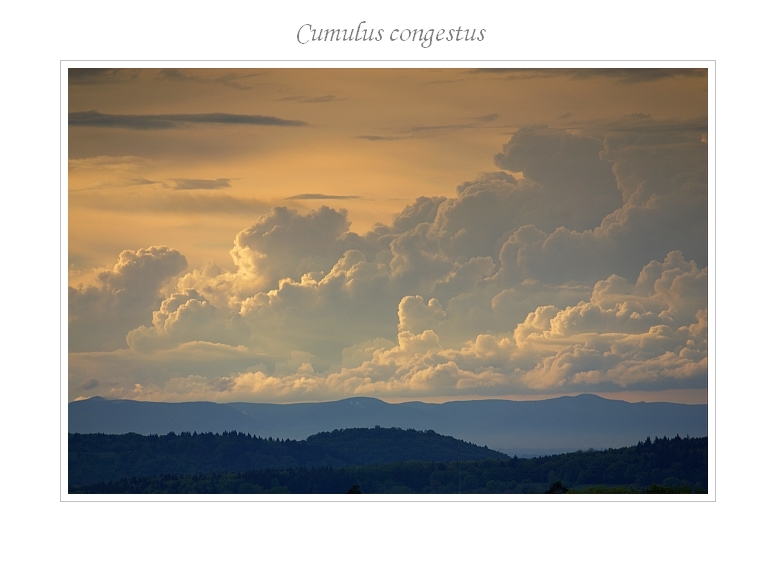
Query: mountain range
point(523, 428)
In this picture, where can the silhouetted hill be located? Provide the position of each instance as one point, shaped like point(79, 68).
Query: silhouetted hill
point(383, 445)
point(94, 458)
point(523, 428)
point(675, 465)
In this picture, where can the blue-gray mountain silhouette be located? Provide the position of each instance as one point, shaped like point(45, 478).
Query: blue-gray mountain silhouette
point(523, 428)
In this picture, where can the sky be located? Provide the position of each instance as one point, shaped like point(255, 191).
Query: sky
point(296, 235)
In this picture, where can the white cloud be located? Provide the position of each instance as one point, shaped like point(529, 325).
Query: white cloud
point(416, 317)
point(186, 317)
point(650, 333)
point(283, 243)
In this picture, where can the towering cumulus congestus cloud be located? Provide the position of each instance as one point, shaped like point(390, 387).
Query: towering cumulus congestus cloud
point(578, 186)
point(100, 316)
point(580, 265)
point(660, 169)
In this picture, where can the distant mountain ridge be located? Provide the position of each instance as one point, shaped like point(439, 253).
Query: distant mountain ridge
point(524, 428)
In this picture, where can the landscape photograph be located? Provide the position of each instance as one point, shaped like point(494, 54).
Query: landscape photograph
point(404, 282)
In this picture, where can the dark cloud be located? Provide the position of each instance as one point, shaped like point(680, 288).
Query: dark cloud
point(321, 99)
point(643, 125)
point(380, 137)
point(636, 75)
point(488, 117)
point(438, 128)
point(230, 79)
point(322, 196)
point(421, 131)
point(579, 188)
point(172, 120)
point(187, 183)
point(446, 81)
point(99, 75)
point(624, 75)
point(175, 75)
point(308, 99)
point(91, 383)
point(661, 172)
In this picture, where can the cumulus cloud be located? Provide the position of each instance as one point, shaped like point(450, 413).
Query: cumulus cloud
point(660, 170)
point(184, 317)
point(285, 244)
point(415, 316)
point(648, 334)
point(625, 334)
point(581, 265)
point(100, 316)
point(578, 186)
point(120, 372)
point(653, 331)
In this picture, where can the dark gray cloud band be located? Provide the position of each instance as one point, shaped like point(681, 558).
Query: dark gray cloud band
point(231, 79)
point(77, 76)
point(624, 75)
point(173, 120)
point(427, 130)
point(309, 99)
point(487, 118)
point(380, 138)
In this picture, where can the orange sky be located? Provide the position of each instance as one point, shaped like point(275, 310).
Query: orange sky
point(553, 236)
point(446, 124)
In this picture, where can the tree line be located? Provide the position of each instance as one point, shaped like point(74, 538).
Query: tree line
point(94, 458)
point(664, 465)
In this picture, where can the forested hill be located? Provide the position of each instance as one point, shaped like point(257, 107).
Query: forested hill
point(381, 445)
point(676, 465)
point(97, 458)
